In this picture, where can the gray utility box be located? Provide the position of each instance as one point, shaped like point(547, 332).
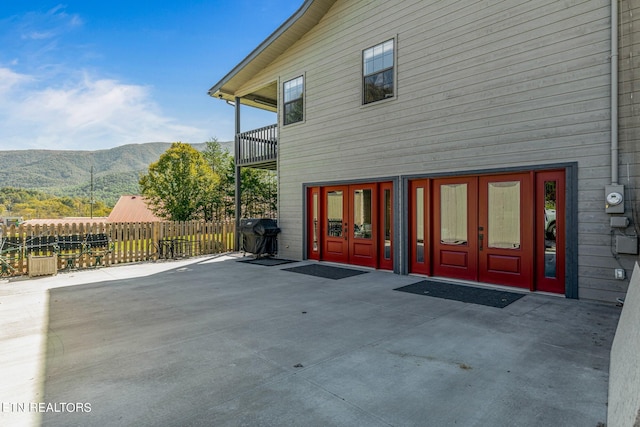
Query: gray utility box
point(627, 245)
point(619, 222)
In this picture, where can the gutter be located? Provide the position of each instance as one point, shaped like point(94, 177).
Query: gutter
point(614, 92)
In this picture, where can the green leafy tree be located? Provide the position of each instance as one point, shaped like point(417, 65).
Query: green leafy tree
point(258, 187)
point(259, 194)
point(221, 202)
point(32, 204)
point(179, 185)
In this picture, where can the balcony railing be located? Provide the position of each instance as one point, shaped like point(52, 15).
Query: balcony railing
point(258, 148)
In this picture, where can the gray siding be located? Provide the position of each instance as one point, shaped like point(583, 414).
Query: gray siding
point(629, 126)
point(480, 85)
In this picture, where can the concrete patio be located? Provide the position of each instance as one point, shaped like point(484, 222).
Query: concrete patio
point(216, 342)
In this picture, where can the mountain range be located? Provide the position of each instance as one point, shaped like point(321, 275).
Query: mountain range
point(116, 171)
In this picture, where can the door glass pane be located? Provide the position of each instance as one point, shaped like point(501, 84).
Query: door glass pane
point(362, 214)
point(315, 221)
point(453, 214)
point(550, 229)
point(387, 223)
point(504, 215)
point(334, 213)
point(419, 224)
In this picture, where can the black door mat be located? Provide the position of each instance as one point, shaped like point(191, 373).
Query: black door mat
point(325, 271)
point(469, 294)
point(269, 262)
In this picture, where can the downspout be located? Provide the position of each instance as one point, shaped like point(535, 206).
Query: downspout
point(614, 92)
point(237, 177)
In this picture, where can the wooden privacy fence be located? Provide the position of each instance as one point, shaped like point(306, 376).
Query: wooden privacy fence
point(90, 245)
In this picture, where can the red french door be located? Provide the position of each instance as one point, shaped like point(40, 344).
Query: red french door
point(362, 220)
point(505, 230)
point(335, 224)
point(455, 238)
point(479, 228)
point(352, 224)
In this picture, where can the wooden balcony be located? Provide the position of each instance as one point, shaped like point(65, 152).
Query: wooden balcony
point(258, 148)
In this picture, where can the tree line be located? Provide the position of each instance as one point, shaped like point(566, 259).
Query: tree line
point(186, 184)
point(28, 204)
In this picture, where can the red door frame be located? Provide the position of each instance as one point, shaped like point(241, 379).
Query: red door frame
point(314, 222)
point(555, 284)
point(385, 220)
point(420, 254)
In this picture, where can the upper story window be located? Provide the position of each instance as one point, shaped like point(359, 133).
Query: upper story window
point(293, 101)
point(378, 72)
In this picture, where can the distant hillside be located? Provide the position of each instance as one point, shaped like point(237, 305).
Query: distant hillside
point(68, 173)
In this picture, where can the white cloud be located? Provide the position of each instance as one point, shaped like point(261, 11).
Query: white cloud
point(41, 26)
point(87, 113)
point(10, 79)
point(37, 35)
point(49, 100)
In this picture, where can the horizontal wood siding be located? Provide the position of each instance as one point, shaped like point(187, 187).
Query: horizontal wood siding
point(480, 85)
point(629, 126)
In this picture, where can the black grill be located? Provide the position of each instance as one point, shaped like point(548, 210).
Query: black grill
point(259, 236)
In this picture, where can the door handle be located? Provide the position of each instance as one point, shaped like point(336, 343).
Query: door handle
point(346, 231)
point(480, 241)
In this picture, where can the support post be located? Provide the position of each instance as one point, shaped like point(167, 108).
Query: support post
point(237, 178)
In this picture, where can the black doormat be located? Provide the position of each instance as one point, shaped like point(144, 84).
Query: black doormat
point(269, 262)
point(469, 294)
point(325, 271)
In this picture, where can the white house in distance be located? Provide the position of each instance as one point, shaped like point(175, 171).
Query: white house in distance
point(481, 142)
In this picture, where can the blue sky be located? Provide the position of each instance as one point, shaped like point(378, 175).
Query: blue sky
point(90, 75)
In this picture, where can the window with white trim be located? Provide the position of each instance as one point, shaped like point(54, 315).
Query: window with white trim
point(378, 72)
point(293, 94)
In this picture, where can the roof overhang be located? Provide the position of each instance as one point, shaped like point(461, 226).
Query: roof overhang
point(266, 95)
